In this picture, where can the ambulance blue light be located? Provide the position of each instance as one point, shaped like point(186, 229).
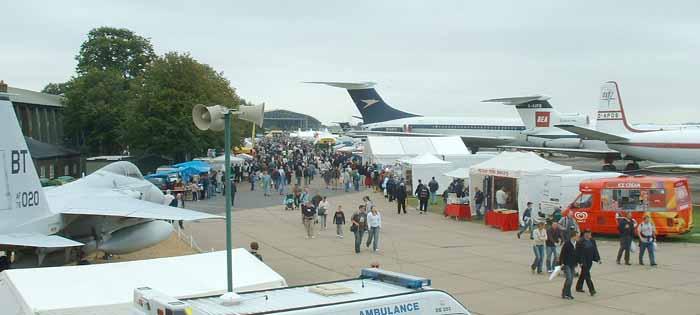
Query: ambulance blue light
point(404, 280)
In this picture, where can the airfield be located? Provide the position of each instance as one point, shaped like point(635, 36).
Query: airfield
point(484, 268)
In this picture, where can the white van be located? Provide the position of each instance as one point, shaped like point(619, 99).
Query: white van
point(375, 292)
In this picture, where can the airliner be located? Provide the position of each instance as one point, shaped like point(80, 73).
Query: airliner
point(680, 147)
point(381, 119)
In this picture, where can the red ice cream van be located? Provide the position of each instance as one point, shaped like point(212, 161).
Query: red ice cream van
point(602, 201)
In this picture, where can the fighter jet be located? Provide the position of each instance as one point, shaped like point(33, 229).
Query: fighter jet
point(113, 210)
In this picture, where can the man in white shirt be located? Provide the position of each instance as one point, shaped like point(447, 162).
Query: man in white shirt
point(501, 198)
point(647, 236)
point(374, 222)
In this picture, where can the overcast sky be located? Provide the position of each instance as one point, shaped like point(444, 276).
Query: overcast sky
point(429, 57)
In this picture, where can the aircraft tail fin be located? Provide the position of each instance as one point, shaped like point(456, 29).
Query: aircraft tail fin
point(22, 200)
point(535, 111)
point(369, 103)
point(611, 115)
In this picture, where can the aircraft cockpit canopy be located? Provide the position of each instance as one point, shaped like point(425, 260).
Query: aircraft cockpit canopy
point(124, 168)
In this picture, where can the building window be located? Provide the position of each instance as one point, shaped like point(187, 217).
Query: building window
point(51, 171)
point(75, 168)
point(42, 171)
point(66, 170)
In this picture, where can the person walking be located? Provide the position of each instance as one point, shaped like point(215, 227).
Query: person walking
point(568, 261)
point(433, 186)
point(626, 227)
point(540, 237)
point(309, 212)
point(568, 224)
point(587, 251)
point(233, 191)
point(647, 239)
point(267, 181)
point(374, 222)
point(282, 181)
point(553, 240)
point(253, 180)
point(323, 208)
point(401, 198)
point(478, 201)
point(423, 193)
point(339, 221)
point(359, 226)
point(527, 220)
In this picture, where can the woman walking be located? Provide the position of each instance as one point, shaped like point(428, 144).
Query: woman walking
point(339, 221)
point(539, 238)
point(323, 207)
point(374, 221)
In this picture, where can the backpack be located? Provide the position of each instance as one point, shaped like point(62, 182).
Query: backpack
point(423, 192)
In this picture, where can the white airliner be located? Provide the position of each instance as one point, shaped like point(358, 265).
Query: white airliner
point(381, 119)
point(113, 210)
point(679, 147)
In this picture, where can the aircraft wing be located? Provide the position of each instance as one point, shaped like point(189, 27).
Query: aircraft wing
point(587, 153)
point(117, 205)
point(481, 141)
point(590, 134)
point(674, 168)
point(37, 240)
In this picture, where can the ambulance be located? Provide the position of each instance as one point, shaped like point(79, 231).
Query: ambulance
point(375, 292)
point(602, 202)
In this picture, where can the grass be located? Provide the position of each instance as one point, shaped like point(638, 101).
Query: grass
point(439, 208)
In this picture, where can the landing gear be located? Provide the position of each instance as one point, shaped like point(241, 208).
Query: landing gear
point(632, 166)
point(609, 168)
point(473, 149)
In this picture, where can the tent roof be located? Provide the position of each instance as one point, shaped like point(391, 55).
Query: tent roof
point(461, 172)
point(424, 159)
point(414, 146)
point(113, 284)
point(515, 164)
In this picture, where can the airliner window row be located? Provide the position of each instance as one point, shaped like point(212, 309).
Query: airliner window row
point(479, 127)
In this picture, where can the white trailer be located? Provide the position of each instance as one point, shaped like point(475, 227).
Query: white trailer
point(107, 289)
point(550, 191)
point(375, 292)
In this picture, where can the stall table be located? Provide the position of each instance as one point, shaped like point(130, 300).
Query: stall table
point(459, 211)
point(506, 220)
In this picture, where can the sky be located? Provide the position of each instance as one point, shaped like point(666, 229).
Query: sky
point(428, 57)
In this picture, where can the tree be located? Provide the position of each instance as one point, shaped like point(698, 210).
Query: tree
point(162, 107)
point(56, 88)
point(94, 110)
point(115, 48)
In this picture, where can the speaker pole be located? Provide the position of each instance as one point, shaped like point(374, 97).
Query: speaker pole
point(227, 153)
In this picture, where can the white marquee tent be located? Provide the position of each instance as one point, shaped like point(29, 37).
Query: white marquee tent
point(424, 167)
point(387, 150)
point(513, 165)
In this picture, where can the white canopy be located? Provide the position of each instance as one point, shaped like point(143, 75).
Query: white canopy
point(517, 164)
point(42, 290)
point(423, 159)
point(461, 172)
point(386, 150)
point(244, 156)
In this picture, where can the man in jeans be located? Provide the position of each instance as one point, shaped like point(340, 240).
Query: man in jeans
point(308, 212)
point(478, 200)
point(626, 228)
point(433, 186)
point(647, 236)
point(553, 240)
point(568, 261)
point(359, 226)
point(423, 193)
point(527, 221)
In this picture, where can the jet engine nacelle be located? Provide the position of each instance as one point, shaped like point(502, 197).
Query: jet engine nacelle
point(134, 238)
point(564, 143)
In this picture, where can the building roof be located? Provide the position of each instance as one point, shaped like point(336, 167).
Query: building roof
point(286, 114)
point(42, 150)
point(33, 97)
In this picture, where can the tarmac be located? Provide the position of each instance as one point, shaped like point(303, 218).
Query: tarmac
point(485, 269)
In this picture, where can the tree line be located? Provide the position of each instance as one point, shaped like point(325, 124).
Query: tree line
point(124, 96)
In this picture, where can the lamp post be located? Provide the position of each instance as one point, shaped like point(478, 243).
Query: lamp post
point(217, 118)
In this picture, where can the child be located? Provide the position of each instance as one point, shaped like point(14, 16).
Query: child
point(339, 220)
point(254, 250)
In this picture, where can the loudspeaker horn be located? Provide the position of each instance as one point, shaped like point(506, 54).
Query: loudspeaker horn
point(208, 117)
point(254, 114)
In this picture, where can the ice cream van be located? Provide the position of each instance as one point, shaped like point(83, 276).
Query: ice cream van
point(602, 202)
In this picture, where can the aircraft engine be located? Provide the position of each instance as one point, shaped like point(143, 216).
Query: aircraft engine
point(136, 237)
point(564, 143)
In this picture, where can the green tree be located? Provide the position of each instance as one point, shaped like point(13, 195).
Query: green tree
point(94, 110)
point(56, 88)
point(117, 49)
point(159, 117)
